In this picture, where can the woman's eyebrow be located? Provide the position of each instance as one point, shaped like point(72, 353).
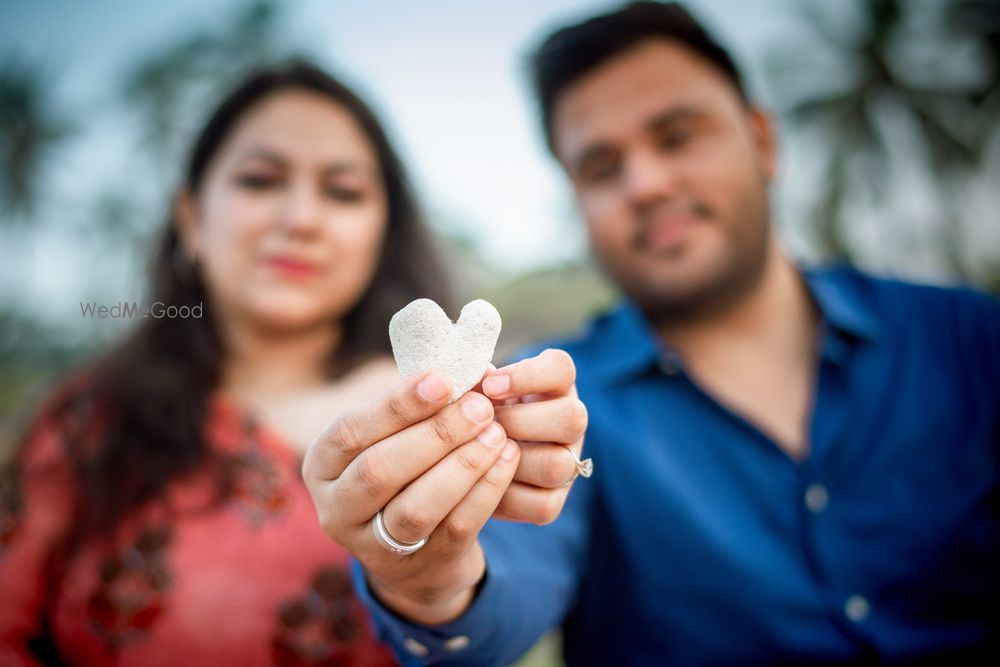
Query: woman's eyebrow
point(334, 166)
point(261, 153)
point(348, 166)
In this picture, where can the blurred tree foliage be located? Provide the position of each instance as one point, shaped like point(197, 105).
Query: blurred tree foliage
point(30, 130)
point(170, 88)
point(866, 66)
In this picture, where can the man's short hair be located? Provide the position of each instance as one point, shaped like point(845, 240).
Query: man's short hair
point(571, 52)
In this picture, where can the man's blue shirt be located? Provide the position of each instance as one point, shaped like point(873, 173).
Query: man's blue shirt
point(698, 541)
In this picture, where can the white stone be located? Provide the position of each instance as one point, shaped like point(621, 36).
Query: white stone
point(424, 338)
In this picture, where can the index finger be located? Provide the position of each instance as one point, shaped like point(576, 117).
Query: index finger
point(349, 434)
point(552, 372)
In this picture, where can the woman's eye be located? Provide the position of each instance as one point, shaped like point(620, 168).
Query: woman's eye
point(601, 172)
point(344, 194)
point(256, 181)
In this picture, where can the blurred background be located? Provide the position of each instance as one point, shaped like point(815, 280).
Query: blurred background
point(889, 122)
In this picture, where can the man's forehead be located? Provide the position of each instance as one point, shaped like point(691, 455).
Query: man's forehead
point(630, 90)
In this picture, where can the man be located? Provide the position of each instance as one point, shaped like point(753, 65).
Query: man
point(792, 467)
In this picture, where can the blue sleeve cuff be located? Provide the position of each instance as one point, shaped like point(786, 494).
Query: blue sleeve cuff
point(465, 641)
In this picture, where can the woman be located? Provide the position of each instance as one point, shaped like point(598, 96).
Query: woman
point(155, 513)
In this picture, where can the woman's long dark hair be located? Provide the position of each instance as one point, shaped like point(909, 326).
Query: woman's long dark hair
point(151, 391)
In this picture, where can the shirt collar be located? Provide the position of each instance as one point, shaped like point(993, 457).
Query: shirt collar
point(846, 306)
point(627, 345)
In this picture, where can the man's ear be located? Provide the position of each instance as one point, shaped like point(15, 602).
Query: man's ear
point(186, 222)
point(762, 127)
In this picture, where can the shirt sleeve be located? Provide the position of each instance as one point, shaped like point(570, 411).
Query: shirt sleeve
point(35, 510)
point(532, 579)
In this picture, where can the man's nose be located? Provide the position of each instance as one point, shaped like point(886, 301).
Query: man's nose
point(302, 209)
point(648, 178)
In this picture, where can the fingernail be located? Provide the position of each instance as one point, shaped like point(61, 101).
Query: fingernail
point(476, 407)
point(509, 452)
point(491, 436)
point(497, 384)
point(432, 388)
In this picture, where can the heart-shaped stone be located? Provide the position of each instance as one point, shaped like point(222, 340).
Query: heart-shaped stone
point(424, 338)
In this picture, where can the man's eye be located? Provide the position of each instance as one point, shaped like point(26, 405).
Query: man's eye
point(256, 181)
point(674, 140)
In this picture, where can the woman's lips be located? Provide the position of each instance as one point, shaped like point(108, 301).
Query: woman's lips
point(293, 268)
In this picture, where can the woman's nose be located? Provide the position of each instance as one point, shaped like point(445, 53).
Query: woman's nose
point(301, 209)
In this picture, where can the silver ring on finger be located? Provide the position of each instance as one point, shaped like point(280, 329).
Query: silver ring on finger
point(584, 468)
point(383, 537)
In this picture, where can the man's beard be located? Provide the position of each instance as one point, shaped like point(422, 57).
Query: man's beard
point(739, 275)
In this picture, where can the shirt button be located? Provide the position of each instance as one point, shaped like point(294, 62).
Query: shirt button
point(456, 643)
point(817, 497)
point(415, 647)
point(857, 608)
